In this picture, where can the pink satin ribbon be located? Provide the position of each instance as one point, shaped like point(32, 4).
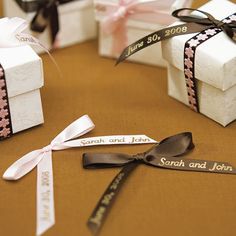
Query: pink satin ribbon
point(115, 22)
point(42, 158)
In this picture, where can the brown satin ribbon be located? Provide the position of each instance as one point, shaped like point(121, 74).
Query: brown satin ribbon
point(47, 14)
point(167, 154)
point(173, 146)
point(194, 24)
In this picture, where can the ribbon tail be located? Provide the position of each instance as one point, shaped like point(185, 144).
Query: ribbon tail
point(45, 195)
point(120, 38)
point(54, 23)
point(97, 219)
point(116, 28)
point(192, 165)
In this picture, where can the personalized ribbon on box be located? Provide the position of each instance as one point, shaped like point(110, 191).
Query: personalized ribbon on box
point(115, 22)
point(167, 154)
point(207, 26)
point(42, 158)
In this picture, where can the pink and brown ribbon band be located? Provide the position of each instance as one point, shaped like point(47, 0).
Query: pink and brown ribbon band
point(5, 117)
point(189, 60)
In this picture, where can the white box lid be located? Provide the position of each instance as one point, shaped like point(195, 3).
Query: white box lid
point(215, 60)
point(23, 69)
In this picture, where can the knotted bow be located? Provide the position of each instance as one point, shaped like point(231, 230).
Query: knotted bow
point(47, 14)
point(174, 146)
point(42, 158)
point(166, 155)
point(228, 27)
point(115, 22)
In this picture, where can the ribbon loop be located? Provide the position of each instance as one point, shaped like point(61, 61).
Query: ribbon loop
point(173, 146)
point(209, 20)
point(105, 160)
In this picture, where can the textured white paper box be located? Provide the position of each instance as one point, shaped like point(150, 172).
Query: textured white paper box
point(77, 22)
point(24, 76)
point(137, 29)
point(215, 68)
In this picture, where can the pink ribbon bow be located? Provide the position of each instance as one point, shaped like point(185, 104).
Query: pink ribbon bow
point(115, 22)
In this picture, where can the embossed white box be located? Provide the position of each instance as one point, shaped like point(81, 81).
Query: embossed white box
point(215, 68)
point(76, 20)
point(138, 26)
point(24, 77)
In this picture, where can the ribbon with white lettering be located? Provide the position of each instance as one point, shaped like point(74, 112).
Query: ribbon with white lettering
point(42, 158)
point(195, 24)
point(173, 146)
point(5, 115)
point(166, 155)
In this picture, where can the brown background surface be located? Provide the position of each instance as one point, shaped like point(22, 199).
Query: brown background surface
point(128, 99)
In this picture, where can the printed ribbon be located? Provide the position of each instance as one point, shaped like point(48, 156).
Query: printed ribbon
point(115, 23)
point(47, 14)
point(12, 33)
point(165, 155)
point(5, 115)
point(42, 158)
point(195, 24)
point(207, 26)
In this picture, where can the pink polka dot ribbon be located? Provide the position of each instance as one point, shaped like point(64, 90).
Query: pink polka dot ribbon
point(5, 117)
point(189, 60)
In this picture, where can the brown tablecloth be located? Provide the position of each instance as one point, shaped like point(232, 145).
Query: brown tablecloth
point(128, 99)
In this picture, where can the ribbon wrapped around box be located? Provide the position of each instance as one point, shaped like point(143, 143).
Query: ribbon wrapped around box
point(166, 155)
point(57, 23)
point(42, 158)
point(124, 21)
point(21, 78)
point(206, 82)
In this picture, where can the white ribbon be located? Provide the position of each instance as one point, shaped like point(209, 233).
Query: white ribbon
point(12, 35)
point(42, 158)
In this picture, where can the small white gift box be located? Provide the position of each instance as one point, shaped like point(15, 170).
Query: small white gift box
point(20, 99)
point(76, 21)
point(147, 16)
point(215, 68)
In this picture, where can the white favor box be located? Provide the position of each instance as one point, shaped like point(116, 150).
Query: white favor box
point(24, 77)
point(215, 68)
point(138, 26)
point(76, 20)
